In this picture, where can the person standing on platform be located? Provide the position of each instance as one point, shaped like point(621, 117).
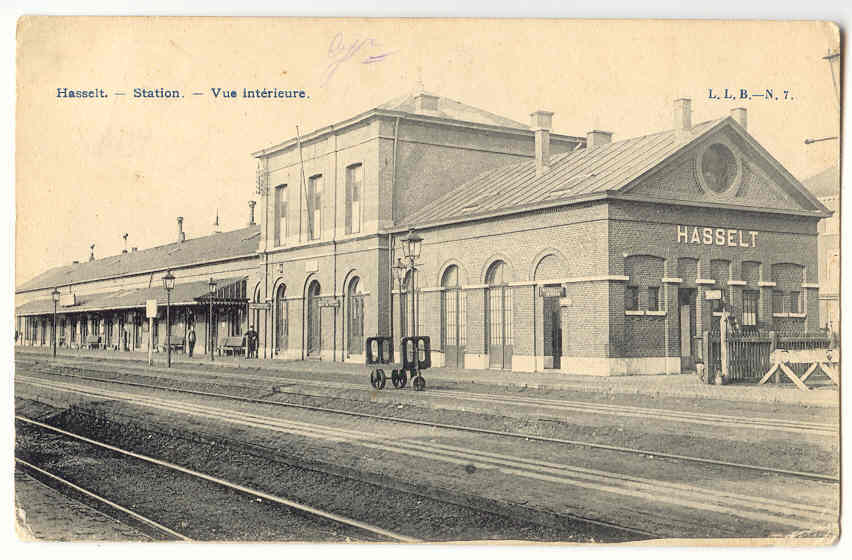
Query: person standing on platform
point(251, 342)
point(190, 339)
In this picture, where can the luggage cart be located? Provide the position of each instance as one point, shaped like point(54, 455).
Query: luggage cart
point(416, 357)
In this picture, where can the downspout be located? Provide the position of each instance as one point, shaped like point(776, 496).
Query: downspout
point(266, 312)
point(334, 255)
point(391, 238)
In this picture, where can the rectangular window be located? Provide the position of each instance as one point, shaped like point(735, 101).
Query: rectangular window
point(631, 298)
point(653, 298)
point(354, 181)
point(280, 214)
point(751, 301)
point(795, 302)
point(777, 301)
point(315, 207)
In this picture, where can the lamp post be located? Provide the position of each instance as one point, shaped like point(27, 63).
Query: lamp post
point(212, 286)
point(399, 270)
point(411, 246)
point(55, 295)
point(169, 285)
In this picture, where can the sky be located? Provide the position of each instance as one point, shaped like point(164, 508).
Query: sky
point(89, 170)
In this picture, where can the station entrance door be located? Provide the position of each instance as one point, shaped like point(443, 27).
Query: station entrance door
point(686, 328)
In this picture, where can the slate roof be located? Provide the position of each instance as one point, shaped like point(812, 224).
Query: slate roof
point(214, 247)
point(183, 294)
point(824, 183)
point(450, 109)
point(571, 174)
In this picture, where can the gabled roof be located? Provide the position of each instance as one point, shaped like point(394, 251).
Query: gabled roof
point(824, 183)
point(450, 109)
point(571, 174)
point(219, 246)
point(580, 174)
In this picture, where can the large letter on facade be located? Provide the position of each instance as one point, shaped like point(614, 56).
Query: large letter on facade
point(682, 234)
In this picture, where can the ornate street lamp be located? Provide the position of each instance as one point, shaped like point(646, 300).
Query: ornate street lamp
point(169, 285)
point(55, 295)
point(411, 246)
point(212, 286)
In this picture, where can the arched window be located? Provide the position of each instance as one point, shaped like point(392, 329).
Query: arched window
point(498, 317)
point(314, 335)
point(355, 316)
point(281, 320)
point(453, 312)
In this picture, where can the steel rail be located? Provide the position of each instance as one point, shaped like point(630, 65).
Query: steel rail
point(622, 484)
point(470, 429)
point(234, 486)
point(576, 406)
point(122, 509)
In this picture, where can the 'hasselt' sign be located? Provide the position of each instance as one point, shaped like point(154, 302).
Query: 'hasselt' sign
point(722, 237)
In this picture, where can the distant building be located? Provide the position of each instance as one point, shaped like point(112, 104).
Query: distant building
point(826, 187)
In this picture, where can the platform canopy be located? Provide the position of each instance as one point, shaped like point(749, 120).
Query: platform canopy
point(229, 291)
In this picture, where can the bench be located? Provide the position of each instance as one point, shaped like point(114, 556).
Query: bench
point(93, 340)
point(232, 345)
point(177, 346)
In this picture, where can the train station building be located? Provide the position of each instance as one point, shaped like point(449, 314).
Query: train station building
point(541, 251)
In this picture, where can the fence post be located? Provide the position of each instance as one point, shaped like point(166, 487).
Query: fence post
point(773, 345)
point(705, 354)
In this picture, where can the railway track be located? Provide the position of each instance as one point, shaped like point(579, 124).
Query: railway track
point(579, 443)
point(536, 403)
point(759, 509)
point(326, 516)
point(151, 525)
point(413, 510)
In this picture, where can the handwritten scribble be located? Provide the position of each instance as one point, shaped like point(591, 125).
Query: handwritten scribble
point(340, 51)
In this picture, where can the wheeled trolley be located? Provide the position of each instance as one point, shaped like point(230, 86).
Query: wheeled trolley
point(416, 356)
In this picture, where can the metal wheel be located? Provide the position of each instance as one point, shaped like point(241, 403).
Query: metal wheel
point(378, 379)
point(395, 378)
point(403, 379)
point(419, 383)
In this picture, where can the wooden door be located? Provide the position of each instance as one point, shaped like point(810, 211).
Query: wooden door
point(314, 341)
point(499, 327)
point(686, 329)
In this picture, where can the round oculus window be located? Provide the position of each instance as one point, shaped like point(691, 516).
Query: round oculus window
point(718, 168)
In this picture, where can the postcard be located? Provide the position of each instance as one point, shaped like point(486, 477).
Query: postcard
point(427, 281)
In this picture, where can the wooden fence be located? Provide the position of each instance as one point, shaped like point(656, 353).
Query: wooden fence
point(748, 355)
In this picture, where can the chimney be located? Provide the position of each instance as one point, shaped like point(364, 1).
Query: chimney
point(252, 204)
point(134, 249)
point(125, 243)
point(181, 235)
point(425, 102)
point(75, 262)
point(595, 138)
point(682, 117)
point(216, 223)
point(92, 254)
point(542, 122)
point(740, 114)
